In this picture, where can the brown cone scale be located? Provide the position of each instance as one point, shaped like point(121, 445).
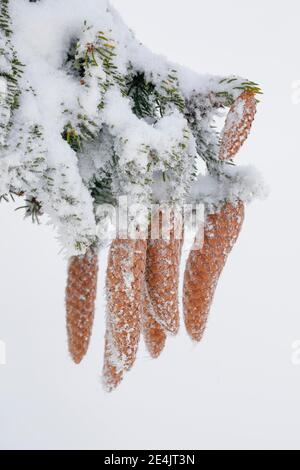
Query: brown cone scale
point(154, 334)
point(80, 302)
point(205, 266)
point(124, 286)
point(162, 279)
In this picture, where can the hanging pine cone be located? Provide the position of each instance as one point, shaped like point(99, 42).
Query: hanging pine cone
point(80, 302)
point(238, 125)
point(124, 286)
point(162, 277)
point(205, 266)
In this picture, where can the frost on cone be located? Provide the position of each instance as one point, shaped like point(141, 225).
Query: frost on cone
point(124, 285)
point(112, 375)
point(162, 277)
point(80, 302)
point(238, 125)
point(205, 266)
point(154, 334)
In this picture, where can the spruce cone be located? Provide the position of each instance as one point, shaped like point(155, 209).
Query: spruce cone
point(80, 302)
point(154, 334)
point(238, 125)
point(124, 284)
point(162, 278)
point(205, 266)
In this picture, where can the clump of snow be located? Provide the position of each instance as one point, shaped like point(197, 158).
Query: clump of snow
point(235, 183)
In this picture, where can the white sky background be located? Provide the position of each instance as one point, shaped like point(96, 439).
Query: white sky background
point(239, 388)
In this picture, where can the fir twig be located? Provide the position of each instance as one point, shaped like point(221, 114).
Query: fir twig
point(33, 209)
